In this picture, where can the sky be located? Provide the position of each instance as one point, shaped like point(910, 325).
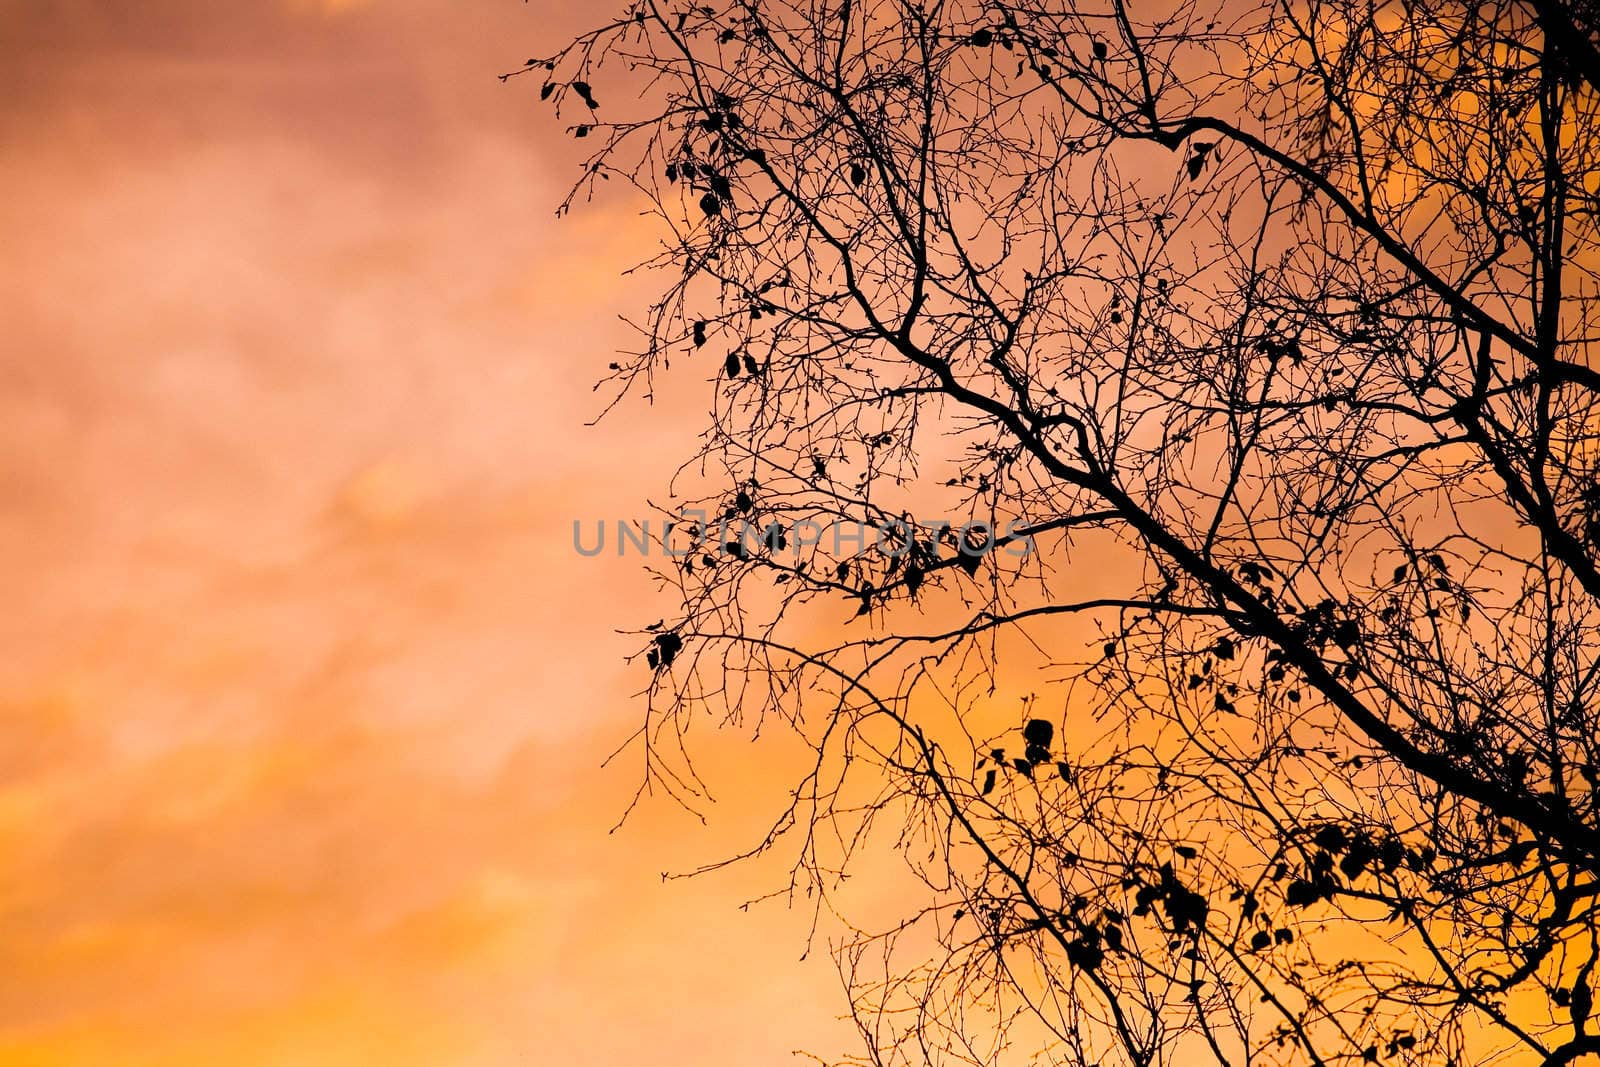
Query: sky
point(305, 692)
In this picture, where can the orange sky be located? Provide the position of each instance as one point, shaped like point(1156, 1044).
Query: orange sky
point(305, 692)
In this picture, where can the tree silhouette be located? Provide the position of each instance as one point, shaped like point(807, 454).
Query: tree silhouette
point(1245, 351)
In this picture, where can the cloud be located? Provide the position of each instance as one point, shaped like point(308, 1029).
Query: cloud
point(306, 693)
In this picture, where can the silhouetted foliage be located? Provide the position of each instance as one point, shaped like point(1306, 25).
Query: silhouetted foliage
point(1270, 326)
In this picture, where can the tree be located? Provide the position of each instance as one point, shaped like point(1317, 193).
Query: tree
point(1254, 716)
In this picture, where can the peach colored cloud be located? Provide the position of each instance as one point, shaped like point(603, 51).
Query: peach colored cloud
point(306, 694)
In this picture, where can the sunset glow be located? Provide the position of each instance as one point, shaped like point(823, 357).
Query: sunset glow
point(306, 694)
point(932, 533)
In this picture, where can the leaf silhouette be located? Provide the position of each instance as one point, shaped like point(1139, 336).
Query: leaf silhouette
point(1330, 837)
point(1085, 953)
point(913, 579)
point(668, 645)
point(1185, 908)
point(1301, 893)
point(1582, 1002)
point(1039, 732)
